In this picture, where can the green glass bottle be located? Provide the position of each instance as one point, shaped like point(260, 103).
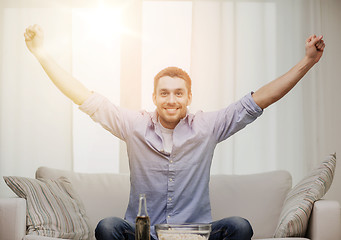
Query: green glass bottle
point(142, 223)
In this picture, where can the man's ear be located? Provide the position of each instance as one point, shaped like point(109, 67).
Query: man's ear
point(189, 99)
point(154, 98)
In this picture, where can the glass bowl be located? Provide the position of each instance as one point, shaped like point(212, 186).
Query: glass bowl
point(183, 231)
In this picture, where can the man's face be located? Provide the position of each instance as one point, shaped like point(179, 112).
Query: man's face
point(171, 99)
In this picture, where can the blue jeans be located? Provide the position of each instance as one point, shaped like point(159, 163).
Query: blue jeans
point(232, 228)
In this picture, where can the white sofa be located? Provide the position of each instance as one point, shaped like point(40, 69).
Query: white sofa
point(258, 198)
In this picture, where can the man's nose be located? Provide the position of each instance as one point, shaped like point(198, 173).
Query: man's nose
point(171, 98)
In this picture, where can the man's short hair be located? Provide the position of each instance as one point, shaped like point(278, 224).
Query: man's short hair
point(173, 72)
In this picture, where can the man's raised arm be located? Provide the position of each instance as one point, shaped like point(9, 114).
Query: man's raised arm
point(275, 90)
point(71, 87)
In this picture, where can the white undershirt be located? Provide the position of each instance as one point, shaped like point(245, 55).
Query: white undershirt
point(167, 135)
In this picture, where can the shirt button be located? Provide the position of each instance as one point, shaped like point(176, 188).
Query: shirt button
point(169, 199)
point(171, 180)
point(168, 216)
point(171, 161)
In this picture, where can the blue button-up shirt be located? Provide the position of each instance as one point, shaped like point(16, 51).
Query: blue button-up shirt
point(176, 184)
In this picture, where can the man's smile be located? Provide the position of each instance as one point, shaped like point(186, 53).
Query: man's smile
point(171, 110)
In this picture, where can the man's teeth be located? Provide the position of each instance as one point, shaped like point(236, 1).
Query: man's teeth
point(171, 110)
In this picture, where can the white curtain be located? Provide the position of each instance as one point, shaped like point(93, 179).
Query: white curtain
point(228, 47)
point(238, 46)
point(35, 119)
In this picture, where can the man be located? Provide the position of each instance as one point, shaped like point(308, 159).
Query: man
point(170, 150)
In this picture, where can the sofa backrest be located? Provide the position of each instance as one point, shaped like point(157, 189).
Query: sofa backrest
point(257, 197)
point(103, 195)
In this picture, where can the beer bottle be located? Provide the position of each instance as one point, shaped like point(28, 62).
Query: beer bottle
point(142, 223)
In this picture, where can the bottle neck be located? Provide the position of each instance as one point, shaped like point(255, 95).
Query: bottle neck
point(142, 206)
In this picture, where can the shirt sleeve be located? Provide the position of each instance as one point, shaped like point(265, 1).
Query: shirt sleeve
point(111, 117)
point(235, 117)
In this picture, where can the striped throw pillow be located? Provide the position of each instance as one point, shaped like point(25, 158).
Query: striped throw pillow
point(300, 200)
point(53, 207)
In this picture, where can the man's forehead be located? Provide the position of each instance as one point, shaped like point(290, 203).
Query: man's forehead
point(167, 82)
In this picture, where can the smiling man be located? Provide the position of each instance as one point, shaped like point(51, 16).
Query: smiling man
point(170, 150)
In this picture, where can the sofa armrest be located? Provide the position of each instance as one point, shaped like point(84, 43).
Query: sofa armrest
point(325, 222)
point(12, 218)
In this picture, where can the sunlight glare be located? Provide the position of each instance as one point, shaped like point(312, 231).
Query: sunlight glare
point(103, 24)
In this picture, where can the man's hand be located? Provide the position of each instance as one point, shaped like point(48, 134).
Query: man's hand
point(71, 87)
point(314, 47)
point(34, 38)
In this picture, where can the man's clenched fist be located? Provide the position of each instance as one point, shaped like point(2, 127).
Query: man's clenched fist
point(34, 38)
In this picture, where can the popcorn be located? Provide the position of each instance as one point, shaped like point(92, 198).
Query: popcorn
point(183, 231)
point(181, 236)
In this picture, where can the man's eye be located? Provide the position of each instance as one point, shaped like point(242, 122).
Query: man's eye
point(179, 94)
point(163, 94)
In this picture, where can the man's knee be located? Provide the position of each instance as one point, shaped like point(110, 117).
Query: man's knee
point(243, 227)
point(239, 227)
point(108, 223)
point(110, 227)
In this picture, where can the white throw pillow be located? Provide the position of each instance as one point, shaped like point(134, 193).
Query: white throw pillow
point(300, 200)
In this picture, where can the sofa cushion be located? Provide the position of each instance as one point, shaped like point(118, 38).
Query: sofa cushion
point(53, 207)
point(103, 195)
point(298, 204)
point(256, 197)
